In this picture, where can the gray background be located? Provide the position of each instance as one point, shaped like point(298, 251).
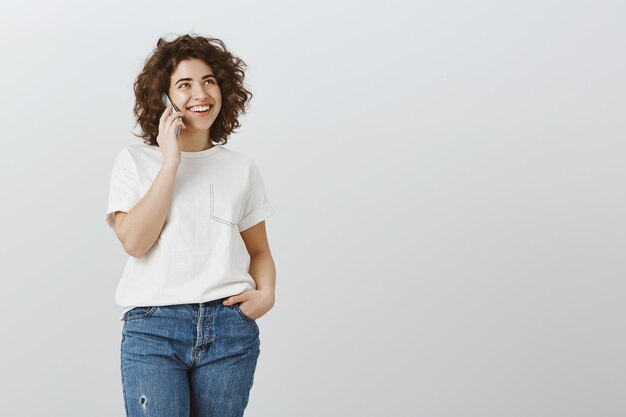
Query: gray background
point(449, 178)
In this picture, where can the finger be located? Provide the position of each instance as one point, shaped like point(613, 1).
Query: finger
point(179, 123)
point(163, 118)
point(173, 121)
point(230, 301)
point(244, 296)
point(165, 113)
point(173, 118)
point(175, 115)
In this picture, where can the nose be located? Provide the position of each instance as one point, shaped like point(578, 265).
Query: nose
point(198, 93)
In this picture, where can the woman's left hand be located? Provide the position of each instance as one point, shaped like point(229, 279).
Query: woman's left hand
point(254, 303)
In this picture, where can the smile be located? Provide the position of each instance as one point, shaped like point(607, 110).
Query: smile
point(200, 110)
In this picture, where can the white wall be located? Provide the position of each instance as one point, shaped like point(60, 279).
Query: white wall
point(449, 178)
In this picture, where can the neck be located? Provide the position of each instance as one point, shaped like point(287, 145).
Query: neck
point(193, 140)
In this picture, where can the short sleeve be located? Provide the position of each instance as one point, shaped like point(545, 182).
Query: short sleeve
point(123, 187)
point(256, 205)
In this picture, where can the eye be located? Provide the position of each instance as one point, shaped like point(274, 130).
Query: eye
point(182, 84)
point(211, 80)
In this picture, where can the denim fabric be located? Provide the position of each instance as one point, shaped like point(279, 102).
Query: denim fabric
point(191, 360)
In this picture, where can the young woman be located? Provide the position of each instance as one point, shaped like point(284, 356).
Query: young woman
point(191, 215)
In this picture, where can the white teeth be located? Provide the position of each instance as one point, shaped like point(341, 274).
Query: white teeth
point(199, 108)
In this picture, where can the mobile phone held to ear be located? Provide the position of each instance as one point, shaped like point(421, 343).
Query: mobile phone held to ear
point(167, 102)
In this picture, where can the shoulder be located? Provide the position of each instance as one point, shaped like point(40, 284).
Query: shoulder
point(138, 150)
point(140, 155)
point(133, 156)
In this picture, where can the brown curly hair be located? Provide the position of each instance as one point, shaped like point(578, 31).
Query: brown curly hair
point(154, 80)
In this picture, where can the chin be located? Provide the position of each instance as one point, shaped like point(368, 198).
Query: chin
point(207, 127)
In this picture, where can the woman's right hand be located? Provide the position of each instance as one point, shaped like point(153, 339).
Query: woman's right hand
point(167, 139)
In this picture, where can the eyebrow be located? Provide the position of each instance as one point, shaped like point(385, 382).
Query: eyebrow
point(203, 78)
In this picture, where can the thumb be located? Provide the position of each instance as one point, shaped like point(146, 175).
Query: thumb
point(230, 301)
point(239, 298)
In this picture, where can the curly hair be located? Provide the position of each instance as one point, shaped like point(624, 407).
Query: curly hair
point(154, 80)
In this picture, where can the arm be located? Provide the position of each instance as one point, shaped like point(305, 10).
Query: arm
point(255, 304)
point(138, 229)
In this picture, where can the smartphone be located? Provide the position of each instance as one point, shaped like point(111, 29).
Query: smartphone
point(167, 102)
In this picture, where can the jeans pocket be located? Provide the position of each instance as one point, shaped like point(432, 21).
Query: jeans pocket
point(246, 318)
point(226, 204)
point(138, 313)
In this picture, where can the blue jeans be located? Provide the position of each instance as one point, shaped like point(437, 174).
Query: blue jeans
point(191, 360)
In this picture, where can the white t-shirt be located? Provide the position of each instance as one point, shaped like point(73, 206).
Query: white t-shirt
point(199, 255)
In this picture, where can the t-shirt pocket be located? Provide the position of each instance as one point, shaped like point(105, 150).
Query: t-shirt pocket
point(226, 204)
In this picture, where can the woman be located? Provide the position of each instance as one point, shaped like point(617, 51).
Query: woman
point(190, 213)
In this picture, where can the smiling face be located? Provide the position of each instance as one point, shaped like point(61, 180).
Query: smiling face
point(194, 90)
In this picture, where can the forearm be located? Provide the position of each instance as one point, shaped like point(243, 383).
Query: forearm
point(263, 272)
point(141, 226)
